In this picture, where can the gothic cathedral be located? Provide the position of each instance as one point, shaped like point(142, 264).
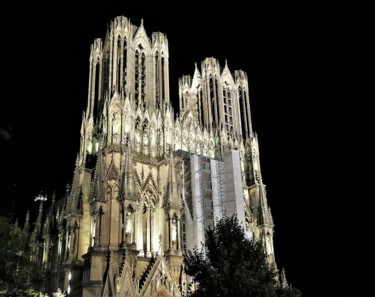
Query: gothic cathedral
point(148, 181)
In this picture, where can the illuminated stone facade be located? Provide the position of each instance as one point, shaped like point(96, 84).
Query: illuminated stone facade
point(147, 181)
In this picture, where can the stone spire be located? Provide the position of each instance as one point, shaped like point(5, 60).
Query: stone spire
point(38, 222)
point(35, 235)
point(264, 211)
point(172, 194)
point(283, 281)
point(26, 227)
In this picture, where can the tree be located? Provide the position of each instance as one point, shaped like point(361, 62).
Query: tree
point(5, 134)
point(18, 274)
point(232, 265)
point(59, 293)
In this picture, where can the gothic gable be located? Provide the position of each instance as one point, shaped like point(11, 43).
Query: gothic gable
point(121, 25)
point(160, 281)
point(112, 172)
point(96, 51)
point(138, 180)
point(227, 76)
point(112, 179)
point(188, 120)
point(109, 286)
point(125, 286)
point(159, 40)
point(140, 37)
point(150, 183)
point(115, 102)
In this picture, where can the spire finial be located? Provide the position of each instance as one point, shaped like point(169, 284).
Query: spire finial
point(41, 197)
point(284, 282)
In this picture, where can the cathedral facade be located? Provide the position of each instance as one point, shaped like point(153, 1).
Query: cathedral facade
point(148, 181)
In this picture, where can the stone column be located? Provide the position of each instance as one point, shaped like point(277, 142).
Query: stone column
point(139, 231)
point(148, 234)
point(179, 237)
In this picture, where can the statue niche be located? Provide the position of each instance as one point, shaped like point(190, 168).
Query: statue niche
point(116, 127)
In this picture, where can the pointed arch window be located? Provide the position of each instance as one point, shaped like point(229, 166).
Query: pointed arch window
point(162, 77)
point(121, 63)
point(118, 64)
point(106, 71)
point(140, 75)
point(124, 64)
point(200, 103)
point(143, 77)
point(212, 100)
point(97, 86)
point(157, 78)
point(243, 111)
point(228, 108)
point(137, 74)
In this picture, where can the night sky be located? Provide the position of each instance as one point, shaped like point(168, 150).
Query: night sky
point(311, 108)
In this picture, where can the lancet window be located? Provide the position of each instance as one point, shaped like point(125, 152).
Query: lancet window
point(140, 75)
point(228, 108)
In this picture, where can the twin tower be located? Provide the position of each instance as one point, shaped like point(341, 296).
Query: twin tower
point(148, 181)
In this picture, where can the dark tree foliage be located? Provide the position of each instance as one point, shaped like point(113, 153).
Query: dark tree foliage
point(4, 134)
point(288, 292)
point(233, 265)
point(18, 275)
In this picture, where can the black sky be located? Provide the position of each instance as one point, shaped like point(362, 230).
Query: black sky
point(311, 107)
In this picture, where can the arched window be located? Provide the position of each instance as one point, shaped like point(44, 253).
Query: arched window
point(243, 111)
point(162, 77)
point(118, 65)
point(216, 100)
point(106, 71)
point(228, 109)
point(137, 74)
point(212, 100)
point(124, 64)
point(97, 86)
point(200, 104)
point(140, 75)
point(157, 78)
point(143, 77)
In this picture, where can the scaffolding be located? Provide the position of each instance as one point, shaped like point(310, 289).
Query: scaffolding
point(203, 191)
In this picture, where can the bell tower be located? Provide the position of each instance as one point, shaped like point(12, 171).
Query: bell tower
point(148, 181)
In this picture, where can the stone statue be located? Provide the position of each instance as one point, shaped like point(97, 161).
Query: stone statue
point(129, 226)
point(174, 230)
